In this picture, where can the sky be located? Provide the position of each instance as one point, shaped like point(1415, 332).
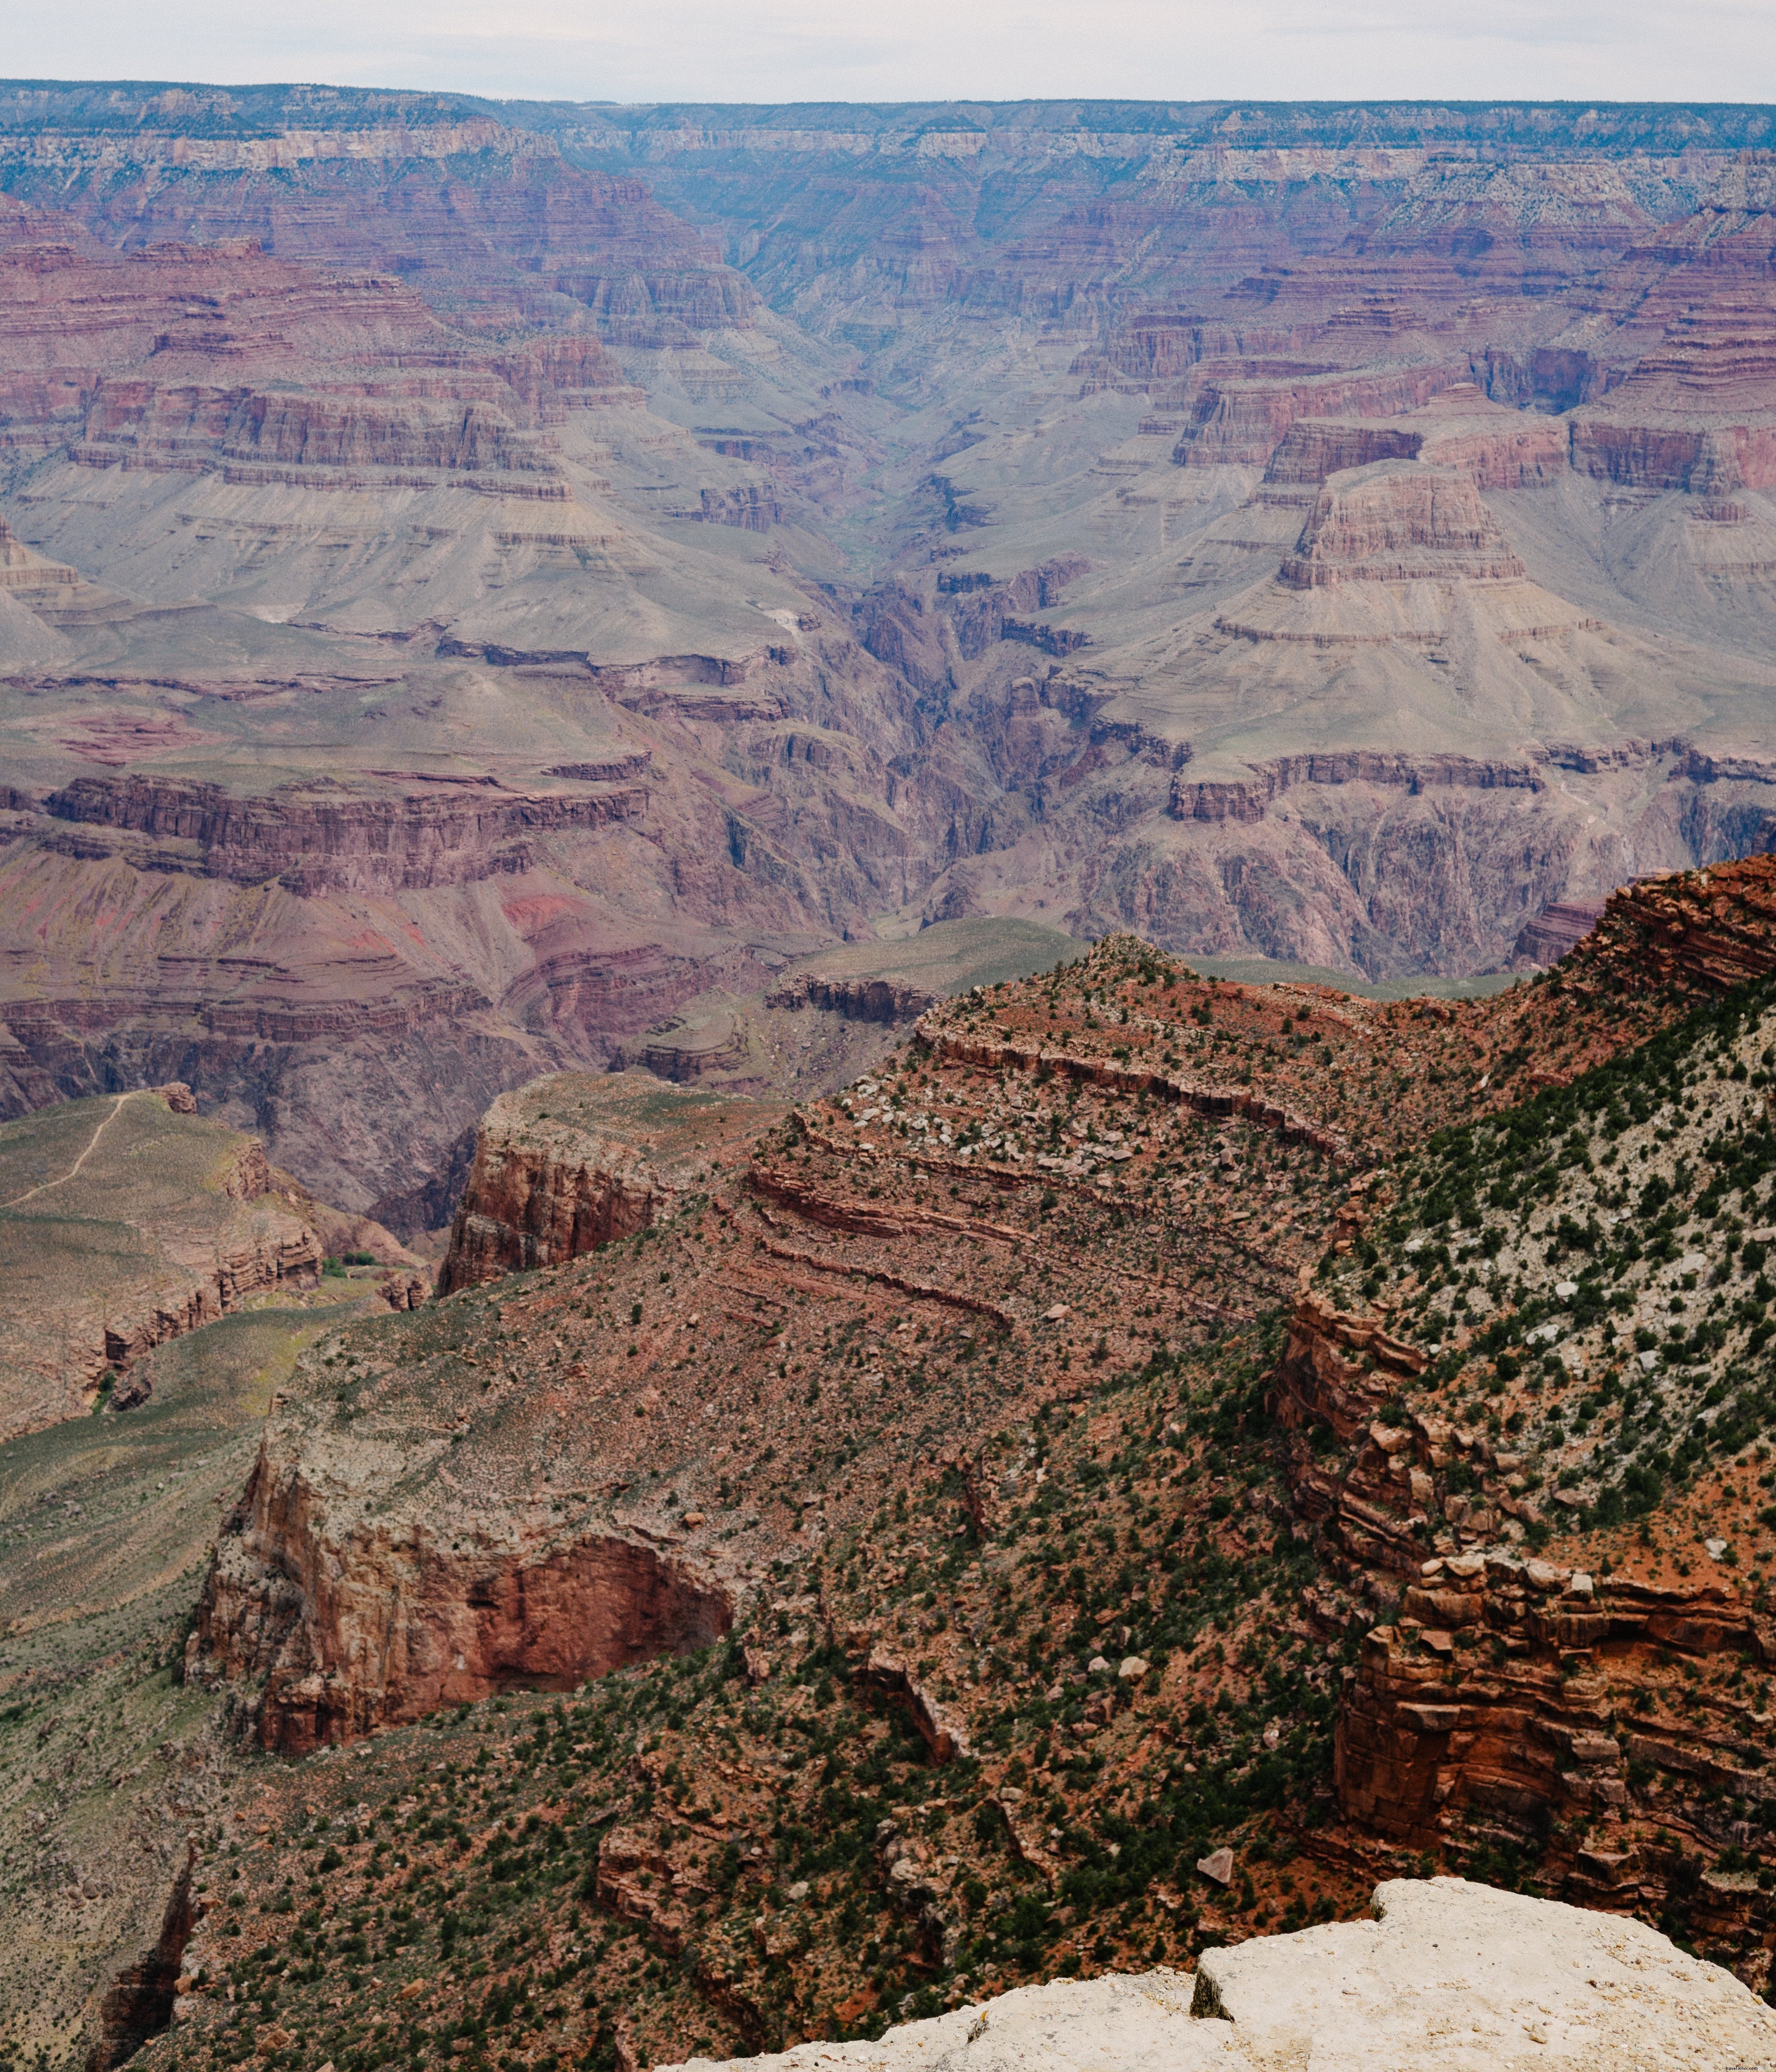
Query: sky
point(908, 50)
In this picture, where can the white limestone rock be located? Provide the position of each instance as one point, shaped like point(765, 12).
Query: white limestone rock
point(1450, 1977)
point(1115, 2025)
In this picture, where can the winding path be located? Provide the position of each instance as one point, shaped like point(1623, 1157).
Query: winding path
point(43, 1186)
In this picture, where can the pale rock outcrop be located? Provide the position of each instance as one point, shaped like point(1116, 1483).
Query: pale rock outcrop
point(1450, 1977)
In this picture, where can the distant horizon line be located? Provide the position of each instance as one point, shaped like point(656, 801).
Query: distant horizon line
point(1231, 102)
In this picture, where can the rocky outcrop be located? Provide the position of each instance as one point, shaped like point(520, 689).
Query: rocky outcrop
point(715, 1044)
point(287, 1252)
point(1520, 1688)
point(130, 1221)
point(1449, 1975)
point(995, 1054)
point(943, 1732)
point(1461, 430)
point(1241, 420)
point(857, 999)
point(1702, 930)
point(932, 633)
point(1211, 799)
point(1697, 414)
point(313, 845)
point(1400, 522)
point(1561, 923)
point(753, 508)
point(569, 1163)
point(140, 2000)
point(348, 1621)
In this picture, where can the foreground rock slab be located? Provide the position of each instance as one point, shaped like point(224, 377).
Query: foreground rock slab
point(1450, 1977)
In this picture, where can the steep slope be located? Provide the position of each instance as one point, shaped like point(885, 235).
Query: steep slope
point(1024, 1419)
point(107, 1764)
point(125, 1221)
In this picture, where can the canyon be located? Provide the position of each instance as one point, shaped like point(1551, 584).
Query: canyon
point(886, 1030)
point(769, 1460)
point(489, 586)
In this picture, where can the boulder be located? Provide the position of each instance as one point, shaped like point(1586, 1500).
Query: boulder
point(1449, 1977)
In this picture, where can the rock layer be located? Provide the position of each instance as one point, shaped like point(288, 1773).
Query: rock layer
point(348, 1624)
point(607, 1159)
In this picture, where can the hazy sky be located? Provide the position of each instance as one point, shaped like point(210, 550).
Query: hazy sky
point(898, 50)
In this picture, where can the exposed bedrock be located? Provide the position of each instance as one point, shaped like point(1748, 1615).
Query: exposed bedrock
point(143, 1225)
point(888, 1000)
point(524, 228)
point(1496, 1688)
point(1697, 412)
point(1388, 872)
point(140, 2001)
point(569, 1163)
point(354, 1617)
point(1399, 521)
point(1450, 1975)
point(1460, 430)
point(1241, 420)
point(346, 843)
point(1547, 938)
point(932, 631)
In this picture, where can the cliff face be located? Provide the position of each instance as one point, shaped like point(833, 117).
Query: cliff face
point(350, 1624)
point(957, 1403)
point(1503, 1688)
point(1399, 523)
point(607, 1158)
point(1236, 422)
point(314, 846)
point(525, 228)
point(1699, 932)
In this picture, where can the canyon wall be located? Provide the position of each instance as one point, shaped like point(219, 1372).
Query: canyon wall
point(350, 1627)
point(608, 1158)
point(479, 578)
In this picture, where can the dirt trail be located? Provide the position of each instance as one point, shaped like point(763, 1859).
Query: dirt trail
point(43, 1186)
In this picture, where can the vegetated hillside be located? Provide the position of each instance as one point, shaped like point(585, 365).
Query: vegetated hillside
point(107, 1760)
point(128, 1219)
point(1021, 1498)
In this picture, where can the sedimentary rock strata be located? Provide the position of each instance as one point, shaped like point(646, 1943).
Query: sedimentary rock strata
point(382, 467)
point(577, 1162)
point(347, 1627)
point(1146, 1504)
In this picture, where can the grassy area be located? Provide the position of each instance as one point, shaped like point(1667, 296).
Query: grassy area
point(106, 1760)
point(115, 1217)
point(1266, 970)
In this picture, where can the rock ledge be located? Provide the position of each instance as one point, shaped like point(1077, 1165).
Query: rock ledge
point(1450, 1977)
